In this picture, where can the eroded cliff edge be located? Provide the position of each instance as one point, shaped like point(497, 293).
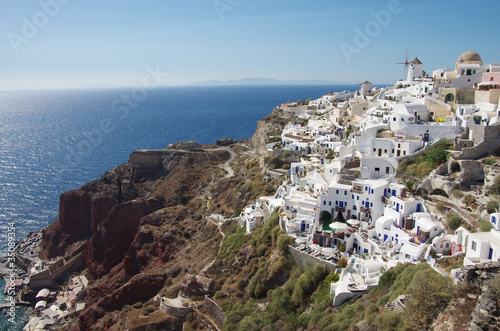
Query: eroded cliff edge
point(142, 225)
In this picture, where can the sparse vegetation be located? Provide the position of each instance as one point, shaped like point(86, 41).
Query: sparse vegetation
point(440, 207)
point(495, 188)
point(421, 165)
point(490, 161)
point(485, 226)
point(492, 206)
point(454, 221)
point(430, 292)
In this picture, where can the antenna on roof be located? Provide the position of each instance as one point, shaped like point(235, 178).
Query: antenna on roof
point(406, 63)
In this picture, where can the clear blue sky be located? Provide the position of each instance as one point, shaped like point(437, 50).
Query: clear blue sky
point(112, 42)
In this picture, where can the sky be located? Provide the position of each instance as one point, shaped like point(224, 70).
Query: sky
point(50, 44)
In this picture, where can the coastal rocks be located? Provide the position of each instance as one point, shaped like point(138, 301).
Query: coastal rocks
point(225, 142)
point(113, 237)
point(74, 223)
point(75, 213)
point(186, 145)
point(101, 205)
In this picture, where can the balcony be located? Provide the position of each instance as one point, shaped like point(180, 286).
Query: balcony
point(365, 210)
point(340, 209)
point(385, 200)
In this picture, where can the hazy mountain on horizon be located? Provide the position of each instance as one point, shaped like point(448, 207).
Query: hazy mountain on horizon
point(267, 81)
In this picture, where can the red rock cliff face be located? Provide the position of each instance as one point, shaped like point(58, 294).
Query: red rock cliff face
point(113, 236)
point(80, 212)
point(137, 243)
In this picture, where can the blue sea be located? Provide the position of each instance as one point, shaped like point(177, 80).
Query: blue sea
point(52, 141)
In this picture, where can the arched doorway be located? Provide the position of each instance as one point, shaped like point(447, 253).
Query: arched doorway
point(450, 97)
point(326, 218)
point(441, 192)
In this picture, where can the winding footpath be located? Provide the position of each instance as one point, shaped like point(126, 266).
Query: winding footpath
point(225, 165)
point(220, 245)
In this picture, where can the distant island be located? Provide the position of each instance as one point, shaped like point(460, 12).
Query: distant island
point(266, 81)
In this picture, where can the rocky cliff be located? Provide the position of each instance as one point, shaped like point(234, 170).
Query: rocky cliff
point(144, 230)
point(268, 127)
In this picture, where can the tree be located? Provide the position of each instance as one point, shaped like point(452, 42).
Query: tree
point(438, 154)
point(429, 295)
point(409, 184)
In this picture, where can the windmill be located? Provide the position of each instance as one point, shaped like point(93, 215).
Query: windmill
point(406, 63)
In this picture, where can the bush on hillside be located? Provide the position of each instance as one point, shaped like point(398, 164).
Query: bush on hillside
point(454, 221)
point(430, 293)
point(492, 206)
point(485, 226)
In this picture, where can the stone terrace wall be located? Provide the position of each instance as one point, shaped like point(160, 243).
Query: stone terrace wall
point(215, 311)
point(487, 139)
point(303, 260)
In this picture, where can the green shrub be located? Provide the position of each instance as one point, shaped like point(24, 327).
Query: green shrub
point(137, 305)
point(411, 170)
point(454, 221)
point(307, 283)
point(485, 226)
point(233, 243)
point(495, 188)
point(490, 161)
point(492, 206)
point(403, 165)
point(457, 194)
point(430, 293)
point(423, 169)
point(342, 263)
point(389, 321)
point(283, 242)
point(219, 295)
point(440, 207)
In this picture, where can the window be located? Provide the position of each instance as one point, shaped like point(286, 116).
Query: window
point(387, 168)
point(474, 245)
point(337, 192)
point(353, 196)
point(393, 151)
point(358, 198)
point(394, 119)
point(329, 203)
point(345, 192)
point(447, 245)
point(374, 149)
point(371, 204)
point(336, 203)
point(378, 169)
point(324, 203)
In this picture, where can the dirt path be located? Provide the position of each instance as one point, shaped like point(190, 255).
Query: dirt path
point(220, 245)
point(225, 166)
